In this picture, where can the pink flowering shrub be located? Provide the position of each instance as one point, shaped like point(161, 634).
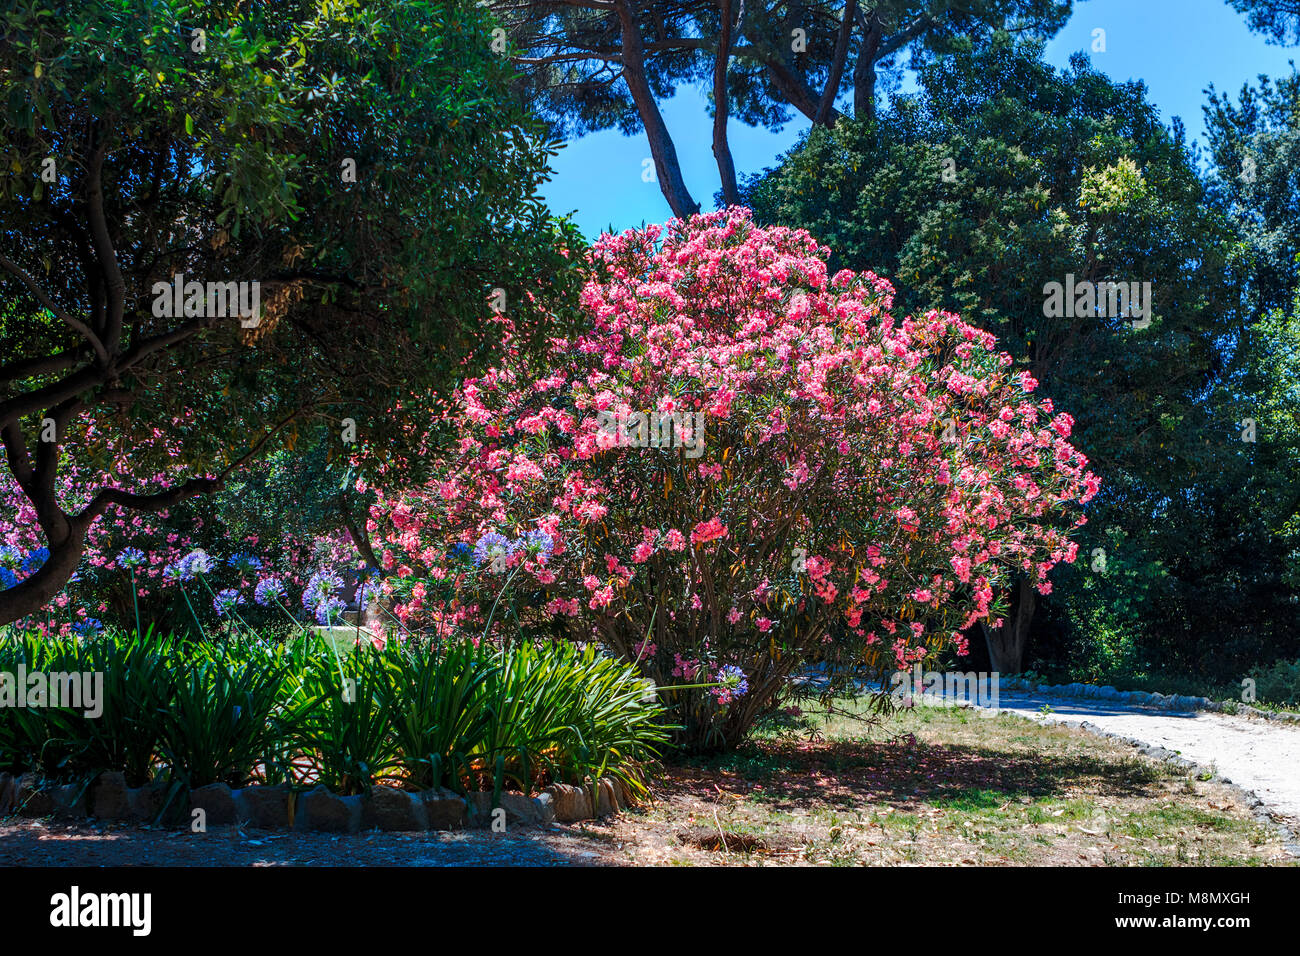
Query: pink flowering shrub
point(845, 487)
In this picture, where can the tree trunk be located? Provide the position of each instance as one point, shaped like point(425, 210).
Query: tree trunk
point(358, 533)
point(1007, 643)
point(825, 109)
point(721, 107)
point(864, 71)
point(35, 593)
point(667, 167)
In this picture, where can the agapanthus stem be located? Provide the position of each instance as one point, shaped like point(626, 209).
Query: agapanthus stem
point(292, 620)
point(505, 587)
point(235, 614)
point(135, 600)
point(396, 620)
point(185, 595)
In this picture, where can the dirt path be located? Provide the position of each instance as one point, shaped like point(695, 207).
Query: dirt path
point(42, 843)
point(1262, 756)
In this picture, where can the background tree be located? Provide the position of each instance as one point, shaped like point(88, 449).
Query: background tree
point(368, 167)
point(1002, 174)
point(1255, 147)
point(1279, 20)
point(601, 64)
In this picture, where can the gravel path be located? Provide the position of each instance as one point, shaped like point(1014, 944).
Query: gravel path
point(1262, 756)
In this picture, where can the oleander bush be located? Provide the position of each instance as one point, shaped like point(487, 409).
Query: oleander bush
point(743, 466)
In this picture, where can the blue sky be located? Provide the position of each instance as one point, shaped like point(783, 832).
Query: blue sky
point(1177, 47)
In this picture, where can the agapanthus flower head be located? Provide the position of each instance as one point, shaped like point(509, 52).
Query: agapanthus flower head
point(173, 573)
point(460, 551)
point(368, 593)
point(243, 561)
point(269, 591)
point(732, 684)
point(32, 563)
point(130, 558)
point(87, 626)
point(329, 609)
point(321, 585)
point(226, 601)
point(10, 557)
point(491, 546)
point(197, 561)
point(535, 542)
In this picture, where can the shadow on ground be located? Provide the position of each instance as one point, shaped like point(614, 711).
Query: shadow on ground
point(904, 774)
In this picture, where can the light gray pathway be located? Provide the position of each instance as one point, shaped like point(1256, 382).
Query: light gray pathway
point(1262, 756)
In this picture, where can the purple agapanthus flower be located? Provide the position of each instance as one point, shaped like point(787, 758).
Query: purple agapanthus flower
point(10, 557)
point(88, 626)
point(269, 591)
point(492, 546)
point(244, 562)
point(368, 593)
point(320, 586)
point(226, 601)
point(733, 684)
point(197, 561)
point(32, 563)
point(130, 558)
point(536, 542)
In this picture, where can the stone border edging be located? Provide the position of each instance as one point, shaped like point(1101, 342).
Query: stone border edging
point(319, 810)
point(1148, 699)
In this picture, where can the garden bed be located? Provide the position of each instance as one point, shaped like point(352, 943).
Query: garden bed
point(252, 731)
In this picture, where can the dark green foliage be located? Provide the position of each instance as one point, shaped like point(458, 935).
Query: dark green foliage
point(1255, 146)
point(436, 700)
point(68, 742)
point(347, 731)
point(232, 163)
point(417, 715)
point(1279, 20)
point(227, 712)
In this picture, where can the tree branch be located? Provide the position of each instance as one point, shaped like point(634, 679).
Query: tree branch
point(721, 108)
point(667, 165)
point(827, 104)
point(39, 294)
point(137, 502)
point(103, 243)
point(27, 368)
